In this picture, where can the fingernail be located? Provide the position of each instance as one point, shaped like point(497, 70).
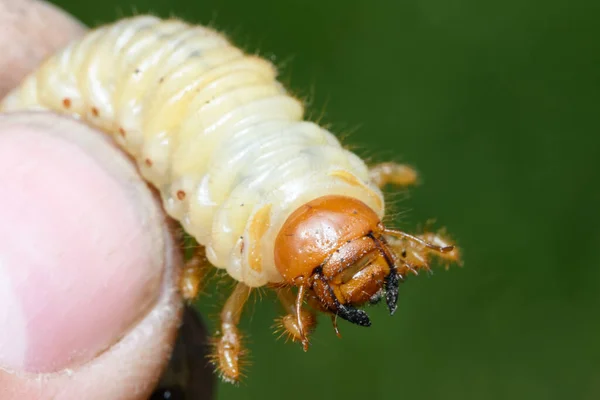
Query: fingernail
point(80, 256)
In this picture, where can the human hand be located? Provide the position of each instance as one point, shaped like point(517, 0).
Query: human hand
point(88, 260)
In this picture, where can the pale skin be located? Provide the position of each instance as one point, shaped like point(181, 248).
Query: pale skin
point(99, 300)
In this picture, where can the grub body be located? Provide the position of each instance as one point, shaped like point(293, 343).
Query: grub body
point(209, 126)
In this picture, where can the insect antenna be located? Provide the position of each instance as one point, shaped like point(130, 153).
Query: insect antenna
point(404, 235)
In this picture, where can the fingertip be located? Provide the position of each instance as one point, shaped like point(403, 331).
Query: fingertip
point(89, 263)
point(31, 30)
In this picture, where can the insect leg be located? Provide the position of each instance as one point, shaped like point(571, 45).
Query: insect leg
point(297, 327)
point(414, 252)
point(392, 173)
point(228, 348)
point(192, 275)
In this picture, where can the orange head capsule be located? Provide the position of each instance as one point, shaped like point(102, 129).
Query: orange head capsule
point(334, 246)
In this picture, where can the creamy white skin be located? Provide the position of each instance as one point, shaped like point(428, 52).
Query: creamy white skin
point(209, 126)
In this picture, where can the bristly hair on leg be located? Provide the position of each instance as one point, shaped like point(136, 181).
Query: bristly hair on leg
point(244, 360)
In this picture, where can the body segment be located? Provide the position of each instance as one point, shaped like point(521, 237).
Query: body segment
point(210, 127)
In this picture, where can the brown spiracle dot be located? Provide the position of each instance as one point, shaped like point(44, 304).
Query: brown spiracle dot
point(180, 194)
point(66, 102)
point(148, 162)
point(95, 112)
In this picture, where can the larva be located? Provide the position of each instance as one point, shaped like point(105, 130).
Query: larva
point(271, 198)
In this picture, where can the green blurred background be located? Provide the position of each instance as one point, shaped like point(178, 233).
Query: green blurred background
point(496, 103)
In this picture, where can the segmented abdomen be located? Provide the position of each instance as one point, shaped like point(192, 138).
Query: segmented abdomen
point(210, 128)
